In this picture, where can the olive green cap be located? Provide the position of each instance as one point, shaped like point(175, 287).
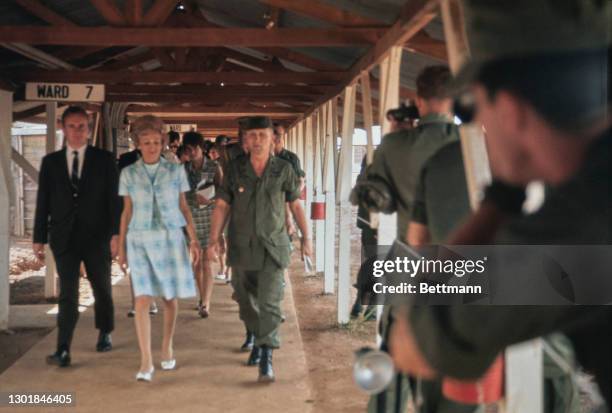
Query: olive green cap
point(501, 29)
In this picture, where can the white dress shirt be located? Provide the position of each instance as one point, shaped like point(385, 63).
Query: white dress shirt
point(70, 157)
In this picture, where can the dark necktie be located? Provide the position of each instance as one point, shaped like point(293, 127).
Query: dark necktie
point(74, 177)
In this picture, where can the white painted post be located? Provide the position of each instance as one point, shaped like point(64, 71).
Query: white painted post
point(524, 384)
point(319, 139)
point(308, 167)
point(6, 120)
point(343, 186)
point(476, 160)
point(330, 202)
point(50, 273)
point(389, 99)
point(366, 107)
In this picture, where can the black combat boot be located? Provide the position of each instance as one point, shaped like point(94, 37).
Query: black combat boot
point(249, 342)
point(266, 373)
point(254, 357)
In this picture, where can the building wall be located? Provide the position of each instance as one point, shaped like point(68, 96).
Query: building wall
point(33, 149)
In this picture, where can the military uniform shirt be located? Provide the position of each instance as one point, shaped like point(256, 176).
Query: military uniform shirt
point(257, 217)
point(441, 199)
point(293, 159)
point(399, 158)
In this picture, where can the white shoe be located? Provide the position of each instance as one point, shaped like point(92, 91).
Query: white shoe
point(168, 364)
point(220, 277)
point(145, 375)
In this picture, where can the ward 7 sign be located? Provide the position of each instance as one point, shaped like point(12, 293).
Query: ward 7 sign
point(65, 92)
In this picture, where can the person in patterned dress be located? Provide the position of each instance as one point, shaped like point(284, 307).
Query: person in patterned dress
point(152, 241)
point(201, 173)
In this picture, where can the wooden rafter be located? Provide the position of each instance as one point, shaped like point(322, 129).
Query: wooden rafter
point(164, 57)
point(421, 42)
point(426, 45)
point(36, 8)
point(109, 11)
point(128, 61)
point(294, 101)
point(180, 37)
point(133, 12)
point(415, 15)
point(314, 78)
point(197, 20)
point(324, 12)
point(159, 12)
point(199, 112)
point(36, 110)
point(286, 90)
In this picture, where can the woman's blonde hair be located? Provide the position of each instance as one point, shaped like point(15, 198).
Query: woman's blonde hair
point(148, 123)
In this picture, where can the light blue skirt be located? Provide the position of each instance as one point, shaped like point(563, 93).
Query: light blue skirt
point(159, 264)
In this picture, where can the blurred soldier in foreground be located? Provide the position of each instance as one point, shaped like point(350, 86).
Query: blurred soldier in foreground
point(538, 77)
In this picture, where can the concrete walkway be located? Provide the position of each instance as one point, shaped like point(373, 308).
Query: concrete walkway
point(211, 374)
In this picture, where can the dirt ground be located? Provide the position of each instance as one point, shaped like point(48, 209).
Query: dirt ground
point(329, 348)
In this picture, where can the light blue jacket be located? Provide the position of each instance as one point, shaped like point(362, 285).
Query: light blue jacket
point(170, 180)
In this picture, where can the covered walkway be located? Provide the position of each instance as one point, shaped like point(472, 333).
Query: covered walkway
point(211, 374)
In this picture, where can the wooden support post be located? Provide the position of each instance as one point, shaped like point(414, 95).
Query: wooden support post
point(330, 202)
point(368, 124)
point(319, 139)
point(366, 107)
point(345, 172)
point(19, 223)
point(473, 145)
point(389, 89)
point(335, 132)
point(96, 126)
point(6, 120)
point(50, 273)
point(25, 165)
point(308, 167)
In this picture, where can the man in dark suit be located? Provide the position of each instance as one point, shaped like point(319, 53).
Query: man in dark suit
point(77, 211)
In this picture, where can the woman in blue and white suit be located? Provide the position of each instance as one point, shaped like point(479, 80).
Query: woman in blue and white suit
point(152, 240)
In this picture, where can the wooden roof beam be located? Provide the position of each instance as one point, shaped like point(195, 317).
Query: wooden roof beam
point(211, 100)
point(197, 20)
point(36, 8)
point(189, 37)
point(109, 11)
point(133, 12)
point(426, 45)
point(230, 90)
point(313, 78)
point(125, 62)
point(415, 15)
point(215, 112)
point(322, 11)
point(159, 12)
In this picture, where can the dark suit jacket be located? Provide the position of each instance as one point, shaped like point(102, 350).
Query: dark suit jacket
point(89, 217)
point(128, 158)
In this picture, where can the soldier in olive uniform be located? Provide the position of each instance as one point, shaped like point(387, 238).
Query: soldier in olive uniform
point(398, 160)
point(292, 158)
point(253, 197)
point(539, 74)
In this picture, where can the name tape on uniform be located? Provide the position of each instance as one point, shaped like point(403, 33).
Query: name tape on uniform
point(66, 92)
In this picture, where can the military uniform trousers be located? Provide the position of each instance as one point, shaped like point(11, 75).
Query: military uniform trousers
point(260, 294)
